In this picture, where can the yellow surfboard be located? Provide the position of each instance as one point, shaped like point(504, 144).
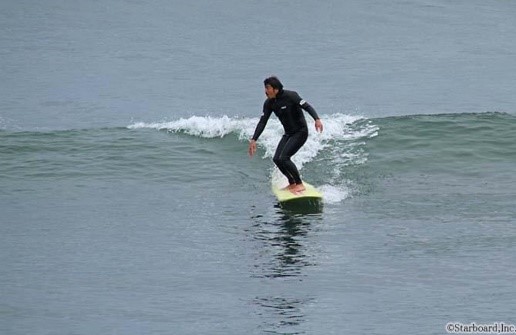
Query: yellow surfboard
point(285, 195)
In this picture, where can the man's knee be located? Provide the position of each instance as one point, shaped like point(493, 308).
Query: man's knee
point(280, 159)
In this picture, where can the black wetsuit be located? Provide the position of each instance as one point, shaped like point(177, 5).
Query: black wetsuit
point(288, 107)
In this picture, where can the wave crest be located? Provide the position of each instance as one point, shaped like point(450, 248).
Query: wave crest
point(342, 133)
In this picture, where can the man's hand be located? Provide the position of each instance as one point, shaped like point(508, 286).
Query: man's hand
point(252, 148)
point(318, 125)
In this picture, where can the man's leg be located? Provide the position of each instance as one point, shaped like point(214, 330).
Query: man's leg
point(280, 163)
point(283, 154)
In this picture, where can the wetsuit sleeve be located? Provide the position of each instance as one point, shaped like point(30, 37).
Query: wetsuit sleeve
point(305, 105)
point(263, 121)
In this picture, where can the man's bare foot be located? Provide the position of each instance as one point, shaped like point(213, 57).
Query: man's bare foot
point(288, 188)
point(297, 188)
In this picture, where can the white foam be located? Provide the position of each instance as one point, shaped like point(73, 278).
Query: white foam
point(202, 126)
point(334, 194)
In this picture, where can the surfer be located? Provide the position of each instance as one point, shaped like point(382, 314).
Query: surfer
point(287, 105)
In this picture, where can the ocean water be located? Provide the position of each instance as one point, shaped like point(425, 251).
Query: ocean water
point(128, 204)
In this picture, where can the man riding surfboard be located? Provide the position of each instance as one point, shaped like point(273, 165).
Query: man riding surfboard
point(288, 107)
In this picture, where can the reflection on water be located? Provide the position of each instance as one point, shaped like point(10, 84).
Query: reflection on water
point(286, 248)
point(284, 243)
point(287, 314)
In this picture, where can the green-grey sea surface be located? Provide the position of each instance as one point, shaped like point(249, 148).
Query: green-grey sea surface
point(128, 204)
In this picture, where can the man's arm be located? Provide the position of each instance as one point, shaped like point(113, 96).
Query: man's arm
point(307, 107)
point(259, 128)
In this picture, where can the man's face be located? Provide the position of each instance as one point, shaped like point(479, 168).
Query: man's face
point(270, 92)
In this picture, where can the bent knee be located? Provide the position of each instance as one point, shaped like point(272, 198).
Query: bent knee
point(280, 159)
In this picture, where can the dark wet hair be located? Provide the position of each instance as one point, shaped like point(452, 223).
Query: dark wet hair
point(274, 82)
